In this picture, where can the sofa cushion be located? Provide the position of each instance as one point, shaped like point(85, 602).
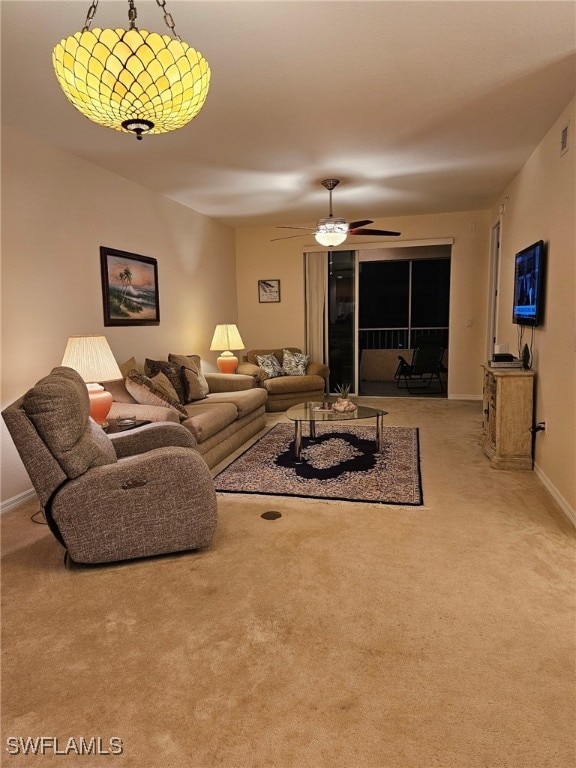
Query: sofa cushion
point(142, 412)
point(245, 401)
point(206, 419)
point(270, 365)
point(294, 363)
point(293, 384)
point(144, 391)
point(58, 406)
point(170, 370)
point(229, 382)
point(192, 362)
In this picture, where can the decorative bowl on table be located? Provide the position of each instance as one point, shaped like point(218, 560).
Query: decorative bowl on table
point(341, 406)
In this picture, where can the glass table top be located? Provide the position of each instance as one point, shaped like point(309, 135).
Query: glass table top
point(316, 411)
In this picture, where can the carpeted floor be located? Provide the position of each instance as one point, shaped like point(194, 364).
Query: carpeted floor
point(341, 463)
point(337, 635)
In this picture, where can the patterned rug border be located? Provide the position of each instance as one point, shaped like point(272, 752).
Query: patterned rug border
point(419, 503)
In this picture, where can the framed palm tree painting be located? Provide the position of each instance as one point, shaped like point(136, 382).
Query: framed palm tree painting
point(129, 288)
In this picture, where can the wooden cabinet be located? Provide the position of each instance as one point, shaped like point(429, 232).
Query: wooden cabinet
point(508, 397)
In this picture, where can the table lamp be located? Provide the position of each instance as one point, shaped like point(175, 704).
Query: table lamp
point(226, 337)
point(92, 357)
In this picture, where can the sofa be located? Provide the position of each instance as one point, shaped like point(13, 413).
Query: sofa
point(228, 411)
point(284, 390)
point(139, 493)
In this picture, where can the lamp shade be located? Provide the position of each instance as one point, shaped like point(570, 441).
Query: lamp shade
point(132, 80)
point(92, 357)
point(226, 337)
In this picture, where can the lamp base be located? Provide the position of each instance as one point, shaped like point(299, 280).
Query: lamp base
point(227, 362)
point(100, 403)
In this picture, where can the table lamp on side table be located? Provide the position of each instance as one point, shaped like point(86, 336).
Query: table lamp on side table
point(92, 357)
point(226, 337)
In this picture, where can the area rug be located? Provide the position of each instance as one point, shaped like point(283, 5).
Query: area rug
point(340, 463)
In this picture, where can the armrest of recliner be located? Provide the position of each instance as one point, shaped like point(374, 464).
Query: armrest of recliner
point(161, 434)
point(318, 369)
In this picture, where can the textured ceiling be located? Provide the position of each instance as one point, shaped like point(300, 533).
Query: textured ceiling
point(418, 107)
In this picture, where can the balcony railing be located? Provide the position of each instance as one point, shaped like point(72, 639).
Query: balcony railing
point(398, 338)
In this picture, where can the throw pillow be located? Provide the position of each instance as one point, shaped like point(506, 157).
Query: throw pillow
point(144, 391)
point(172, 373)
point(129, 365)
point(294, 363)
point(193, 363)
point(194, 389)
point(162, 382)
point(269, 365)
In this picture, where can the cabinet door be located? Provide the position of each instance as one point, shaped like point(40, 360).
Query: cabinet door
point(515, 417)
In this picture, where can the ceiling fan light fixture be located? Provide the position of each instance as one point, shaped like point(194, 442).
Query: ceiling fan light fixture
point(331, 232)
point(132, 80)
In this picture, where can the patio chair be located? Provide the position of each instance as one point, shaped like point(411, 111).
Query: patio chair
point(425, 367)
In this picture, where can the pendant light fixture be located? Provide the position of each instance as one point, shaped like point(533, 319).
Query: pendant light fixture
point(331, 231)
point(132, 80)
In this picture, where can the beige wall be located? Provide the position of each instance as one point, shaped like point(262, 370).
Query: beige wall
point(272, 325)
point(540, 203)
point(57, 210)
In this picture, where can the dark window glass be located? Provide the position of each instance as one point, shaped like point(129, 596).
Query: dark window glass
point(341, 318)
point(383, 291)
point(430, 292)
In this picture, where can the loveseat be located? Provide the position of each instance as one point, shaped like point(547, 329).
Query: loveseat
point(228, 409)
point(284, 390)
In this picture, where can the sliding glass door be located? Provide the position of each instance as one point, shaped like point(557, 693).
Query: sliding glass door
point(341, 319)
point(377, 303)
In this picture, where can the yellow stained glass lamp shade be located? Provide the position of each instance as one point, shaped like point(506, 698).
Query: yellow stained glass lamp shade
point(132, 80)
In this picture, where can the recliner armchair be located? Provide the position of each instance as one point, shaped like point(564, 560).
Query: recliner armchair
point(285, 391)
point(134, 494)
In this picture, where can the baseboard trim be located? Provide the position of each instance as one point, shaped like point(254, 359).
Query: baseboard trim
point(464, 397)
point(568, 511)
point(17, 500)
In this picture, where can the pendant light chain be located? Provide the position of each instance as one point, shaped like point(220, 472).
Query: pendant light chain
point(168, 19)
point(90, 15)
point(132, 14)
point(130, 79)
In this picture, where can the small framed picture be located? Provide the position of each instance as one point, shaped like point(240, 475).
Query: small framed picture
point(268, 291)
point(129, 288)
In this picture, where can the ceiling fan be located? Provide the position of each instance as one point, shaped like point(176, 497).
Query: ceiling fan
point(334, 231)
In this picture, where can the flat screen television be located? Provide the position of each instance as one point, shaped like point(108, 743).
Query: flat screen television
point(529, 285)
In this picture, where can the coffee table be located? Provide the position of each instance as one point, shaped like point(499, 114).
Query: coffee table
point(311, 413)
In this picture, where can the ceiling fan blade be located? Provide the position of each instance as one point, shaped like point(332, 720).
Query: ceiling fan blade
point(288, 237)
point(356, 224)
point(363, 231)
point(285, 226)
